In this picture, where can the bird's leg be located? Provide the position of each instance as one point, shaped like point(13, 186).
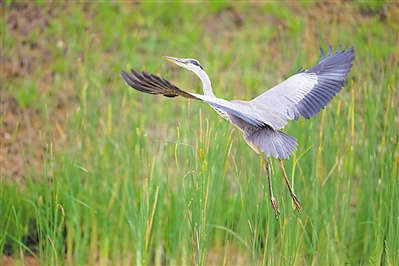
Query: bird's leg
point(293, 196)
point(272, 198)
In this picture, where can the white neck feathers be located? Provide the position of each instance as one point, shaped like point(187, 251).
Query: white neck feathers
point(206, 82)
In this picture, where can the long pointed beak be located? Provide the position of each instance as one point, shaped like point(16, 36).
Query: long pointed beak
point(174, 59)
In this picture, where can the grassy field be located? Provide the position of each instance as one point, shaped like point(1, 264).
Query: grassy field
point(94, 172)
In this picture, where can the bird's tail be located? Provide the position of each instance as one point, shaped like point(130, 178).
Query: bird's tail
point(273, 142)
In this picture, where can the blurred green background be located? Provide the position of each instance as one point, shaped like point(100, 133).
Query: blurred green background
point(93, 172)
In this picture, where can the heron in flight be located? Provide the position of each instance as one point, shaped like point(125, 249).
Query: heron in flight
point(262, 118)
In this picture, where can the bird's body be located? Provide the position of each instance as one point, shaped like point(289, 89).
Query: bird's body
point(261, 119)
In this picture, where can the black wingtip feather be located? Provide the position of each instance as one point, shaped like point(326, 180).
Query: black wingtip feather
point(153, 84)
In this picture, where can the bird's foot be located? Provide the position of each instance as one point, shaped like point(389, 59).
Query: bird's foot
point(296, 203)
point(275, 207)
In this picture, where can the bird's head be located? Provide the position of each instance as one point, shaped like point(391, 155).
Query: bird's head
point(188, 63)
point(194, 66)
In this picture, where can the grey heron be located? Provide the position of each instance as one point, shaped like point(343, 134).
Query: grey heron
point(261, 119)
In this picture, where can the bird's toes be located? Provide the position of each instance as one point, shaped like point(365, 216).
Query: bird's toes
point(297, 203)
point(275, 207)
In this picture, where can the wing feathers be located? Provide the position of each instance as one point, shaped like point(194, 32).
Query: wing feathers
point(153, 84)
point(309, 91)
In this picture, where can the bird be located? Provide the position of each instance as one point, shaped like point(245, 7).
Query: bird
point(261, 119)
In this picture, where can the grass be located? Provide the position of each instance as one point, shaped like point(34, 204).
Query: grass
point(128, 178)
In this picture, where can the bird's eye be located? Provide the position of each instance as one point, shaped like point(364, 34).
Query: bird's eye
point(186, 61)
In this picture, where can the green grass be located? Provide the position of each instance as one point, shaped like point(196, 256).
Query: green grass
point(129, 178)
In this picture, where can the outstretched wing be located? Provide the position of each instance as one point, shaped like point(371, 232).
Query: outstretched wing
point(153, 84)
point(308, 91)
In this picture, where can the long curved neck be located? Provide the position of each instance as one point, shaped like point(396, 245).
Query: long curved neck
point(206, 85)
point(206, 82)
